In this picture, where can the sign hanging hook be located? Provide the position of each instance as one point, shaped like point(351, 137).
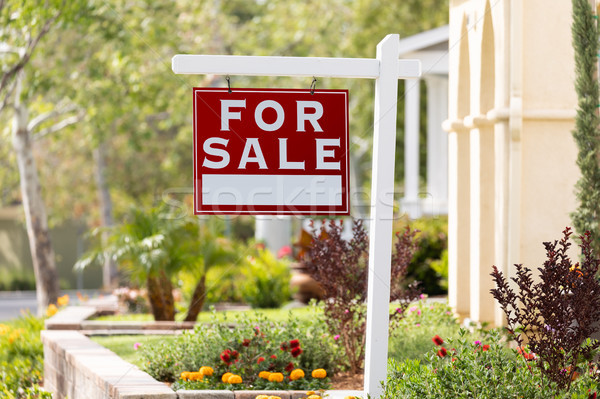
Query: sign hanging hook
point(228, 83)
point(313, 85)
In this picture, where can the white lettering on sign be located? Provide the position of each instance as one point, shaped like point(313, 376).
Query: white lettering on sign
point(269, 127)
point(313, 118)
point(252, 144)
point(283, 162)
point(218, 152)
point(226, 115)
point(322, 153)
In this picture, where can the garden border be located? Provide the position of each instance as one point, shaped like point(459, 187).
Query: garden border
point(77, 367)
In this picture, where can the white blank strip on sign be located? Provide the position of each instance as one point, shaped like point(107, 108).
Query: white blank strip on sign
point(297, 190)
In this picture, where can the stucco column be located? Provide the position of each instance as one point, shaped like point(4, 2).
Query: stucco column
point(458, 217)
point(274, 231)
point(482, 221)
point(436, 202)
point(410, 202)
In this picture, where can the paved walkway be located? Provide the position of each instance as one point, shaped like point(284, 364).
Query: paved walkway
point(12, 303)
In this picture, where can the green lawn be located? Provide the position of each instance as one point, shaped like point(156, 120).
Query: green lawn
point(304, 313)
point(123, 345)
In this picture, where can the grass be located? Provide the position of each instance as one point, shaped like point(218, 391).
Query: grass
point(278, 315)
point(123, 345)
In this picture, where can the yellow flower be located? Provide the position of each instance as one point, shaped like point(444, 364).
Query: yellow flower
point(264, 375)
point(314, 397)
point(234, 379)
point(274, 397)
point(196, 376)
point(319, 373)
point(296, 374)
point(63, 300)
point(262, 397)
point(51, 311)
point(276, 377)
point(4, 329)
point(226, 376)
point(185, 375)
point(207, 371)
point(310, 393)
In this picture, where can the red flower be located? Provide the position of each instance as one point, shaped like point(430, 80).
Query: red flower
point(284, 346)
point(273, 356)
point(260, 360)
point(289, 367)
point(225, 358)
point(294, 343)
point(527, 356)
point(246, 342)
point(296, 352)
point(442, 352)
point(485, 348)
point(592, 395)
point(235, 354)
point(437, 340)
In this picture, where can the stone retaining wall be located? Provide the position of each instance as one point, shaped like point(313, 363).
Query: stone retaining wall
point(76, 367)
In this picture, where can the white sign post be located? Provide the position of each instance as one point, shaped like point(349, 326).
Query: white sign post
point(386, 69)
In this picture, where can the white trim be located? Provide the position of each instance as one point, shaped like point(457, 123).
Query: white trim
point(288, 66)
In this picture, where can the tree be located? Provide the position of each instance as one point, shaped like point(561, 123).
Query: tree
point(25, 25)
point(586, 133)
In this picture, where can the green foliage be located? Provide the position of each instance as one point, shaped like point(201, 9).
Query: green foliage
point(266, 280)
point(429, 265)
point(586, 134)
point(472, 368)
point(222, 283)
point(252, 338)
point(410, 337)
point(16, 280)
point(21, 358)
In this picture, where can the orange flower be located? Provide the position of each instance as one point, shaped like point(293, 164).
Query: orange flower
point(264, 375)
point(195, 376)
point(63, 300)
point(185, 375)
point(319, 373)
point(234, 379)
point(225, 377)
point(207, 371)
point(296, 374)
point(51, 311)
point(276, 377)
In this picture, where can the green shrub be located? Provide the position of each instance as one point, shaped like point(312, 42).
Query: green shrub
point(468, 368)
point(266, 280)
point(222, 284)
point(17, 280)
point(410, 337)
point(251, 339)
point(21, 358)
point(428, 265)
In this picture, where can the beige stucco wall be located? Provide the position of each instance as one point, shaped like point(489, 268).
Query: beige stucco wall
point(511, 111)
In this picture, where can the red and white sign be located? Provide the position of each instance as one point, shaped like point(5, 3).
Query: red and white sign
point(271, 151)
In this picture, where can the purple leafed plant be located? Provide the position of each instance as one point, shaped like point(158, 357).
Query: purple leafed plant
point(557, 313)
point(340, 267)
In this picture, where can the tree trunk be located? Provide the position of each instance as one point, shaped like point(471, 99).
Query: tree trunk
point(42, 253)
point(109, 269)
point(160, 296)
point(197, 300)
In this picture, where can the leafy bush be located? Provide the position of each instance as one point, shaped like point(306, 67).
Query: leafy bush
point(557, 315)
point(245, 348)
point(21, 358)
point(222, 284)
point(340, 267)
point(469, 368)
point(266, 280)
point(429, 264)
point(411, 336)
point(16, 280)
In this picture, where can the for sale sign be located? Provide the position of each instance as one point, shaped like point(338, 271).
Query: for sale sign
point(271, 151)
